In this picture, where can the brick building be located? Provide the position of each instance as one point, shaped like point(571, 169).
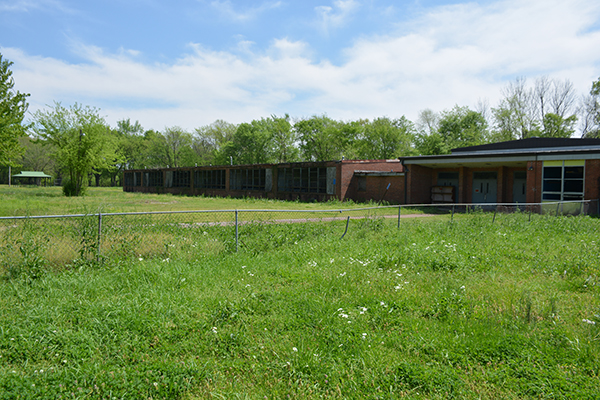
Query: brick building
point(358, 180)
point(531, 170)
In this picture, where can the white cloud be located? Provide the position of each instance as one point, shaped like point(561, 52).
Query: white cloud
point(336, 16)
point(452, 55)
point(31, 5)
point(229, 11)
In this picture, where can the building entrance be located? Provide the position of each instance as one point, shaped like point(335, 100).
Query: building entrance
point(485, 187)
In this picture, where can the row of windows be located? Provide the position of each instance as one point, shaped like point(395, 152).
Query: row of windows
point(247, 179)
point(306, 180)
point(154, 178)
point(133, 179)
point(213, 179)
point(181, 179)
point(240, 179)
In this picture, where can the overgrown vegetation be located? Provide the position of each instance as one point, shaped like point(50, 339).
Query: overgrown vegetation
point(434, 309)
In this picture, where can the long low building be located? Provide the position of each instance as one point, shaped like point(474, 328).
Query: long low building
point(533, 170)
point(363, 180)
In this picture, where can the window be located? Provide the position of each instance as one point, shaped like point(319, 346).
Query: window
point(128, 178)
point(563, 180)
point(155, 178)
point(247, 179)
point(181, 178)
point(210, 179)
point(305, 180)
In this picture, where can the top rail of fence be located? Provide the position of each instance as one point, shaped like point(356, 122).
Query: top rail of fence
point(345, 210)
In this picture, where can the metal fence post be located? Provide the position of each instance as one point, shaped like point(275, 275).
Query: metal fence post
point(452, 216)
point(99, 237)
point(399, 212)
point(236, 232)
point(347, 223)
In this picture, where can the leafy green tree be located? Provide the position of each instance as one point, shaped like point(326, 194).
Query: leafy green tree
point(558, 127)
point(36, 156)
point(251, 144)
point(384, 138)
point(79, 142)
point(515, 115)
point(173, 147)
point(431, 144)
point(462, 127)
point(13, 106)
point(590, 110)
point(209, 140)
point(323, 139)
point(546, 110)
point(283, 139)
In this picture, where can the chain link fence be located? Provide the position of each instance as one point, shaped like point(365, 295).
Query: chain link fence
point(34, 243)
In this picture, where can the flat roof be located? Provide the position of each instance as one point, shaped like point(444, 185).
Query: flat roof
point(514, 153)
point(31, 174)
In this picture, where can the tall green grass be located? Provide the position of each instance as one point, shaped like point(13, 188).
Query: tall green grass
point(20, 201)
point(434, 309)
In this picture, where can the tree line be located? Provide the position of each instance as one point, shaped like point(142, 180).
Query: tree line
point(76, 143)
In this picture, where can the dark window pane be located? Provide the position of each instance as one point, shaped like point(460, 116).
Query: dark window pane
point(574, 186)
point(552, 172)
point(573, 172)
point(551, 185)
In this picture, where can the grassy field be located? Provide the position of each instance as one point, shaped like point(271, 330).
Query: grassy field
point(434, 309)
point(20, 200)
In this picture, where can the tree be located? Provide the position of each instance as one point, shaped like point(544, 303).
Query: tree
point(79, 139)
point(462, 127)
point(559, 127)
point(459, 127)
point(13, 106)
point(384, 138)
point(177, 146)
point(515, 117)
point(283, 138)
point(546, 110)
point(590, 110)
point(251, 144)
point(36, 156)
point(209, 140)
point(323, 139)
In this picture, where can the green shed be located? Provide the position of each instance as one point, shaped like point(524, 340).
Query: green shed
point(32, 178)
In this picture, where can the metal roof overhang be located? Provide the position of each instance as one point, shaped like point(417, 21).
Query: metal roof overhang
point(31, 174)
point(491, 160)
point(378, 173)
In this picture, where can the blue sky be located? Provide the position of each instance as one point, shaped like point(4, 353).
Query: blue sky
point(190, 62)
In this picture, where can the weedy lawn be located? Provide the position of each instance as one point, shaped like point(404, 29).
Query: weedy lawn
point(33, 200)
point(434, 309)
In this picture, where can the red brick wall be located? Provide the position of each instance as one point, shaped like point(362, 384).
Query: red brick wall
point(420, 181)
point(376, 189)
point(592, 180)
point(347, 185)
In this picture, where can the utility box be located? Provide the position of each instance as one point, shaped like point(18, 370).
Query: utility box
point(442, 194)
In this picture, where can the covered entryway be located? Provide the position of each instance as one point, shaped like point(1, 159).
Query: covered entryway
point(485, 187)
